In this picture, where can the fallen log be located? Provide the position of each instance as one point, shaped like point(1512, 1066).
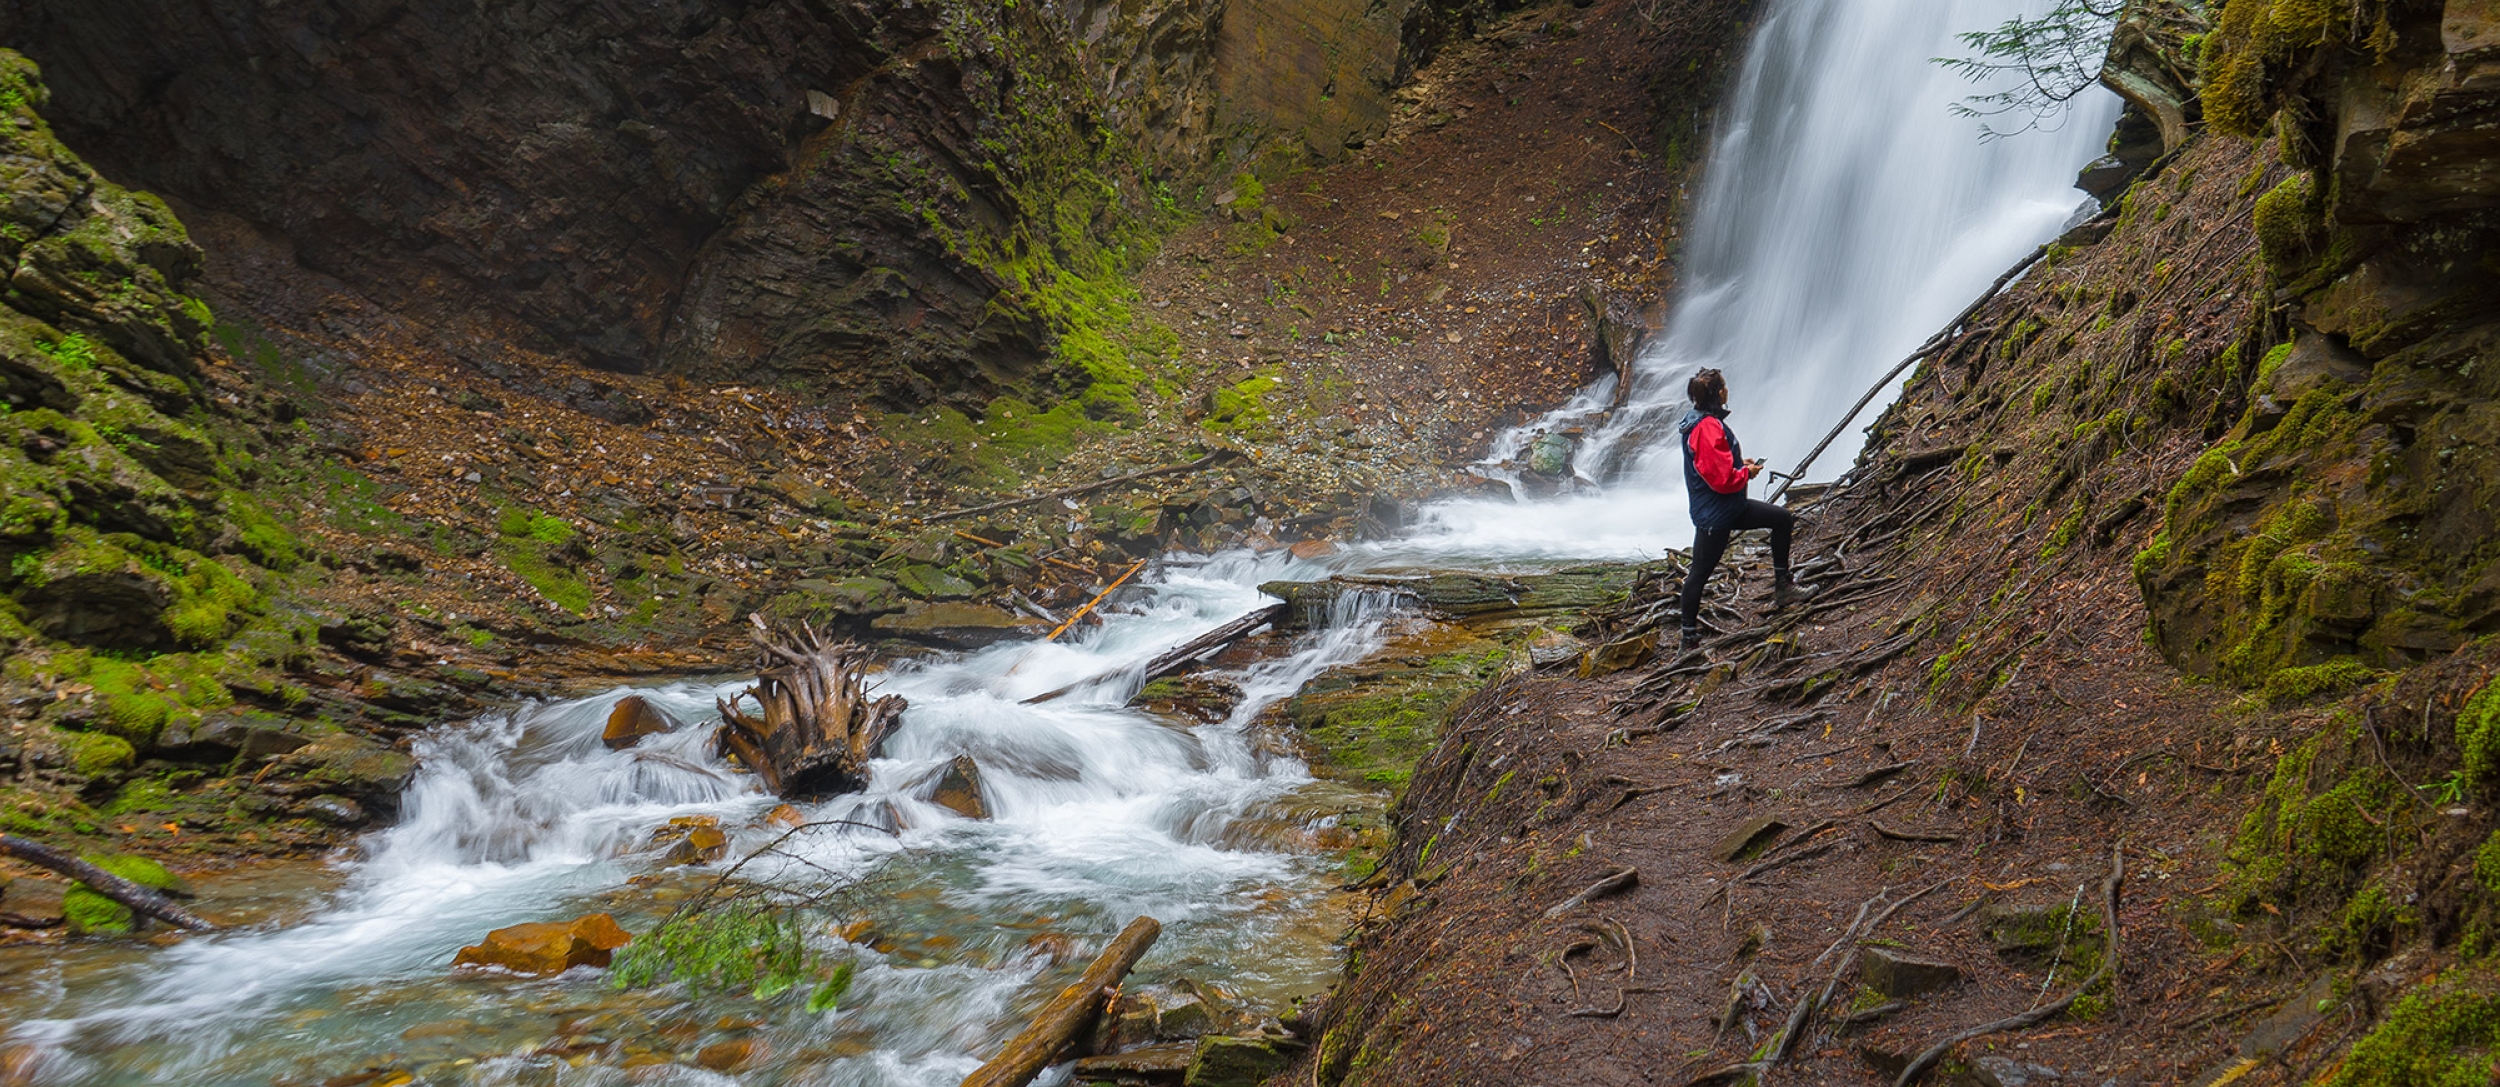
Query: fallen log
point(1069, 1013)
point(818, 728)
point(1186, 653)
point(141, 900)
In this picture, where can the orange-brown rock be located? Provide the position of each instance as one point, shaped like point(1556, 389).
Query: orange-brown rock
point(784, 816)
point(691, 839)
point(729, 1056)
point(1313, 549)
point(634, 718)
point(541, 948)
point(958, 789)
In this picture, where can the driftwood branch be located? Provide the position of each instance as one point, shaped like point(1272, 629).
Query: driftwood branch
point(1186, 653)
point(142, 900)
point(1214, 458)
point(818, 728)
point(1067, 1014)
point(2054, 1008)
point(1934, 344)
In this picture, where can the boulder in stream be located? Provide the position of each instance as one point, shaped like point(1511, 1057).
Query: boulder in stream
point(543, 948)
point(955, 624)
point(691, 839)
point(634, 718)
point(958, 789)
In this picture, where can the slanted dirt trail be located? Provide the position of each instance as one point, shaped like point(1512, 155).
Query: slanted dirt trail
point(1970, 709)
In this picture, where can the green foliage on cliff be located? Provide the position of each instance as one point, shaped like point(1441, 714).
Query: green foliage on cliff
point(1085, 210)
point(2254, 52)
point(2442, 1034)
point(2478, 738)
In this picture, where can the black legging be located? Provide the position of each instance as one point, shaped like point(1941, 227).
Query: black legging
point(1711, 543)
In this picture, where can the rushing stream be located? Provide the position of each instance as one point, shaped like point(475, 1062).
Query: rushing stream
point(1100, 814)
point(1846, 214)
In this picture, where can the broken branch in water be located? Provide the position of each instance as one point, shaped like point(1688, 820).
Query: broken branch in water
point(1181, 656)
point(140, 899)
point(1068, 1013)
point(1620, 879)
point(1090, 605)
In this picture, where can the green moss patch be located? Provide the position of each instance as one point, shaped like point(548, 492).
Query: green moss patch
point(1372, 724)
point(2296, 685)
point(2478, 737)
point(91, 913)
point(2446, 1033)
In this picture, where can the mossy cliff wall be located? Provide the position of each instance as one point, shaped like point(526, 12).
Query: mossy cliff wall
point(873, 196)
point(2351, 512)
point(147, 614)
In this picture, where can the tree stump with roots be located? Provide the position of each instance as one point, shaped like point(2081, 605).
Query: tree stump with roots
point(818, 728)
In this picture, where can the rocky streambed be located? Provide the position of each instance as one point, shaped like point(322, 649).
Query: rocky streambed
point(997, 845)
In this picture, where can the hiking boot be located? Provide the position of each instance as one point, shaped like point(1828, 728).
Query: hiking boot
point(1691, 643)
point(1788, 592)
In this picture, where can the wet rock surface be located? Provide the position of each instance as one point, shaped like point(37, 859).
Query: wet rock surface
point(633, 719)
point(543, 948)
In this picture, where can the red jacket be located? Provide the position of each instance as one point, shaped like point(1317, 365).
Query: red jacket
point(1715, 459)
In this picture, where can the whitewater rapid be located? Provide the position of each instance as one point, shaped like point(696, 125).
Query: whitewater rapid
point(1099, 814)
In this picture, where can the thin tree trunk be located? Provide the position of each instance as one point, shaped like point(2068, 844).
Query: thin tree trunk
point(140, 899)
point(1068, 1014)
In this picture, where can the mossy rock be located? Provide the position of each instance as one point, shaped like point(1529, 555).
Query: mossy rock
point(2444, 1033)
point(94, 754)
point(90, 913)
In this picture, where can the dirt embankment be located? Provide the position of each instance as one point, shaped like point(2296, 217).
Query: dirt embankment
point(1867, 826)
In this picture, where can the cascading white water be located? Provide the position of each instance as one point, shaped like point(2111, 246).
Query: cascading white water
point(1846, 212)
point(1100, 814)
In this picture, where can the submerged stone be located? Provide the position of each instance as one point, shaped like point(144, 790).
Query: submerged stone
point(691, 839)
point(634, 718)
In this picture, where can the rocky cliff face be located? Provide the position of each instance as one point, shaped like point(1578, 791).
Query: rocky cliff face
point(882, 197)
point(2351, 512)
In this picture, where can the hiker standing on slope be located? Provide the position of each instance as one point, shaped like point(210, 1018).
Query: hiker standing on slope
point(1715, 474)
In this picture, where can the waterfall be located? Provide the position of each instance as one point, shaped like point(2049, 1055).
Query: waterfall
point(1846, 212)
